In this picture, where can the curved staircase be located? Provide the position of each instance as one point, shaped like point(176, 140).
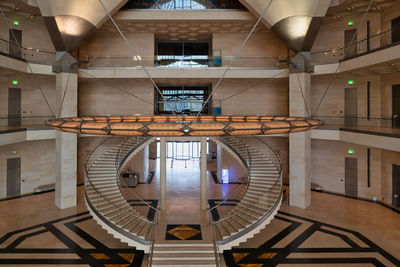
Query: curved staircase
point(104, 197)
point(107, 201)
point(263, 196)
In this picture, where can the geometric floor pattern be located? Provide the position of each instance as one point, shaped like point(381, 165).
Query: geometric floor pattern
point(288, 240)
point(183, 232)
point(64, 242)
point(311, 243)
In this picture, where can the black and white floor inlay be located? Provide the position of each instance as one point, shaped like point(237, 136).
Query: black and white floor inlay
point(306, 241)
point(63, 242)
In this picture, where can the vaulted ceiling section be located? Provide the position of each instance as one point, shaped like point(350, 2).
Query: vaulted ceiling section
point(71, 22)
point(296, 22)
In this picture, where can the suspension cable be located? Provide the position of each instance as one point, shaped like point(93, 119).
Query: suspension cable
point(118, 88)
point(65, 92)
point(27, 62)
point(236, 55)
point(302, 94)
point(334, 75)
point(253, 86)
point(134, 54)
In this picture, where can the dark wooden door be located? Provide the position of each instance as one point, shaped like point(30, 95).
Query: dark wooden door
point(396, 106)
point(350, 106)
point(13, 177)
point(396, 30)
point(350, 43)
point(396, 185)
point(14, 106)
point(351, 177)
point(15, 42)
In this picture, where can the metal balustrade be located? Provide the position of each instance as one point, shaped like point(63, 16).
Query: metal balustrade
point(104, 198)
point(263, 194)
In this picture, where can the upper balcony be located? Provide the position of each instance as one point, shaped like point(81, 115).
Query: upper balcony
point(29, 54)
point(26, 59)
point(363, 46)
point(173, 66)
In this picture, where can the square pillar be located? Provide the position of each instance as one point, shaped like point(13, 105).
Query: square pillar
point(66, 143)
point(203, 174)
point(220, 156)
point(299, 143)
point(146, 163)
point(163, 172)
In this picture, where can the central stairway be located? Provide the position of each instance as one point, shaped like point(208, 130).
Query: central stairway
point(107, 197)
point(184, 254)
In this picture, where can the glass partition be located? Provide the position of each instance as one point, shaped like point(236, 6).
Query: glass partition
point(184, 4)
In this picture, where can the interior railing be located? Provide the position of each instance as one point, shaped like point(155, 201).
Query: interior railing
point(271, 198)
point(358, 47)
point(30, 54)
point(99, 149)
point(180, 61)
point(25, 121)
point(132, 194)
point(128, 193)
point(342, 120)
point(243, 183)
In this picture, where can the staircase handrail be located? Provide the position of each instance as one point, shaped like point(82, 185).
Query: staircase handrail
point(263, 196)
point(118, 164)
point(276, 154)
point(88, 157)
point(246, 164)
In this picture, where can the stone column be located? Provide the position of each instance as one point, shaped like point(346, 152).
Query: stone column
point(299, 143)
point(220, 157)
point(203, 174)
point(163, 172)
point(66, 143)
point(146, 163)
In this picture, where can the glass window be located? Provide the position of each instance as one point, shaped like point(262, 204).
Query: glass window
point(183, 4)
point(182, 55)
point(187, 100)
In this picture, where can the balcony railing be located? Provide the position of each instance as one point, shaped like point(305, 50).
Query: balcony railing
point(16, 122)
point(184, 4)
point(386, 122)
point(29, 54)
point(358, 47)
point(195, 61)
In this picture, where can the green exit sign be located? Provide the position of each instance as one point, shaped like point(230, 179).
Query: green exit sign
point(350, 151)
point(350, 23)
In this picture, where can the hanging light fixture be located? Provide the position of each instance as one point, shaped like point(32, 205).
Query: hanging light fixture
point(183, 125)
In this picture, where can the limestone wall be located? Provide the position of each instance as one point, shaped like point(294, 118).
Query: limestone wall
point(328, 168)
point(114, 97)
point(37, 164)
point(33, 103)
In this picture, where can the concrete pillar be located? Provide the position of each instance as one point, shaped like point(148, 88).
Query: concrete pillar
point(203, 174)
point(220, 157)
point(299, 143)
point(66, 143)
point(163, 172)
point(146, 163)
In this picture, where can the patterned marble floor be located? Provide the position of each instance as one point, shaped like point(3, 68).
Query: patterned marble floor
point(334, 231)
point(302, 241)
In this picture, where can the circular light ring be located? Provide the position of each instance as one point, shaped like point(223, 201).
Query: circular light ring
point(184, 125)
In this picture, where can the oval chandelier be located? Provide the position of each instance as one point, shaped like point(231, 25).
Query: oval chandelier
point(165, 126)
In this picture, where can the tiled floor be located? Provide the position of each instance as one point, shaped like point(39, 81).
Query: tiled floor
point(333, 230)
